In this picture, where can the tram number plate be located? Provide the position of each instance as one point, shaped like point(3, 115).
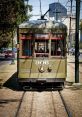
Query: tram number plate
point(42, 62)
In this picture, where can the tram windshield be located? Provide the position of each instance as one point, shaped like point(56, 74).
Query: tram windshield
point(43, 46)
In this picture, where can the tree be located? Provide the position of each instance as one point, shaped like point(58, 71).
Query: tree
point(12, 13)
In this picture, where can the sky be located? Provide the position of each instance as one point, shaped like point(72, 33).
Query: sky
point(45, 6)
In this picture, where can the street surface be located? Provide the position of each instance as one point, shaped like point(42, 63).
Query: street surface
point(71, 69)
point(15, 102)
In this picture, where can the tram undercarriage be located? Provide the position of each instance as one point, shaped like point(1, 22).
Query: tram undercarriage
point(43, 83)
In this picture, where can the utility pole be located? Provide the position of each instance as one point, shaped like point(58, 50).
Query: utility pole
point(56, 17)
point(77, 42)
point(70, 25)
point(40, 8)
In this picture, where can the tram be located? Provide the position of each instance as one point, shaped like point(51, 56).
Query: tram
point(41, 52)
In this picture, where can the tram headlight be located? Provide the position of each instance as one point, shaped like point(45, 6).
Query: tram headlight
point(41, 69)
point(49, 69)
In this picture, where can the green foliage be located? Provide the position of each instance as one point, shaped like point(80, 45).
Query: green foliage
point(12, 13)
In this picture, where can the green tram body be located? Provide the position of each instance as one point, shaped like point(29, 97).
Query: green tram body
point(49, 64)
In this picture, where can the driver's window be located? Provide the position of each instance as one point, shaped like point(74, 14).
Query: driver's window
point(41, 46)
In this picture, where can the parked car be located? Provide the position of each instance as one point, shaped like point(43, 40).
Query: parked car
point(9, 53)
point(2, 54)
point(72, 51)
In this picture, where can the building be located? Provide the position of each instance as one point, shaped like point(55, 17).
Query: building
point(70, 23)
point(57, 10)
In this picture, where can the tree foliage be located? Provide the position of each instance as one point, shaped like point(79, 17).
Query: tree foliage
point(12, 13)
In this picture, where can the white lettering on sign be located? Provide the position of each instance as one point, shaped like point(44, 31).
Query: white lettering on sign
point(44, 62)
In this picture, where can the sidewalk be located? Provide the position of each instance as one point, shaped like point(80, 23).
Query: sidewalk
point(71, 70)
point(6, 71)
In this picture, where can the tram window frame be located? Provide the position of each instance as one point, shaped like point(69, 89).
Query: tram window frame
point(59, 48)
point(41, 48)
point(27, 49)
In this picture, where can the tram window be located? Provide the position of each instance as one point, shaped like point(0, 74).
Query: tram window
point(26, 48)
point(57, 48)
point(41, 46)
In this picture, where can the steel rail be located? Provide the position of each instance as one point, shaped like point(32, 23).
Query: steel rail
point(20, 103)
point(69, 113)
point(31, 104)
point(53, 104)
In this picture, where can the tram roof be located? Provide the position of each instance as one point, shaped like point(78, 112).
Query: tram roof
point(59, 25)
point(42, 24)
point(34, 24)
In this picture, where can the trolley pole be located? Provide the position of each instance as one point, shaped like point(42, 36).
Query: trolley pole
point(77, 42)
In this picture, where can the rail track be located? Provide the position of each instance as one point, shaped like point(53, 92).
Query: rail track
point(31, 105)
point(69, 113)
point(56, 101)
point(55, 114)
point(67, 110)
point(21, 102)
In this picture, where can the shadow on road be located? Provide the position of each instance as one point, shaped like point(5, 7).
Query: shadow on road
point(12, 83)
